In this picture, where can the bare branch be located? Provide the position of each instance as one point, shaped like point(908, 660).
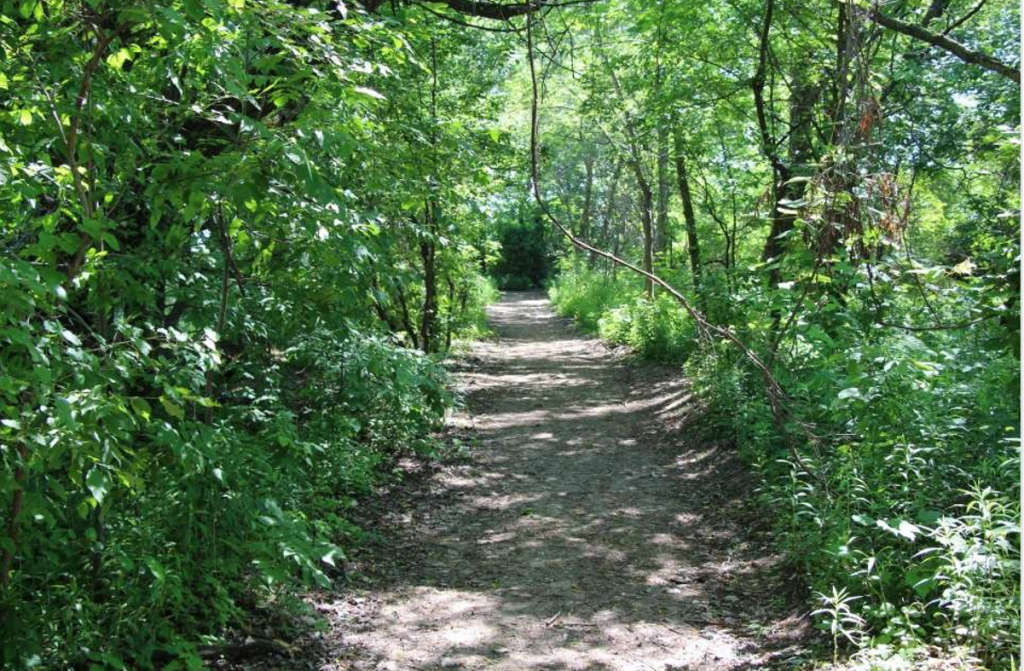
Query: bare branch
point(964, 19)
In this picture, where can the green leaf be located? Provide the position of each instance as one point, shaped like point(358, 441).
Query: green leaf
point(156, 568)
point(194, 9)
point(70, 337)
point(904, 529)
point(31, 9)
point(908, 530)
point(65, 413)
point(117, 59)
point(923, 582)
point(141, 407)
point(112, 241)
point(172, 408)
point(98, 481)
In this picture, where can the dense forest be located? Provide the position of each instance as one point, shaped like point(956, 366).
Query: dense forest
point(242, 237)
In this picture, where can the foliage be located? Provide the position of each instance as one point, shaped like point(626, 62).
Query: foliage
point(240, 236)
point(587, 296)
point(222, 272)
point(867, 253)
point(526, 257)
point(617, 311)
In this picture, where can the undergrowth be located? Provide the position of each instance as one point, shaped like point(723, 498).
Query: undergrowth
point(613, 308)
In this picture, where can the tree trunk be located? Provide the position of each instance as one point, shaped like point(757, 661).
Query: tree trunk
point(450, 318)
point(646, 195)
point(428, 251)
point(661, 225)
point(609, 211)
point(588, 199)
point(800, 116)
point(647, 219)
point(406, 317)
point(801, 108)
point(379, 308)
point(692, 241)
point(428, 245)
point(780, 171)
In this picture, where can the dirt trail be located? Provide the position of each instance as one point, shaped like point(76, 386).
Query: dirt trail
point(584, 532)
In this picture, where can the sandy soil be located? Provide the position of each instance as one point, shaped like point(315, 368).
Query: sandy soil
point(588, 528)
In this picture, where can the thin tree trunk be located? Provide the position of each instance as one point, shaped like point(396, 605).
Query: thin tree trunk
point(449, 320)
point(783, 189)
point(379, 308)
point(692, 241)
point(609, 212)
point(647, 221)
point(428, 245)
point(646, 195)
point(588, 198)
point(406, 317)
point(661, 240)
point(780, 224)
point(661, 225)
point(617, 247)
point(428, 251)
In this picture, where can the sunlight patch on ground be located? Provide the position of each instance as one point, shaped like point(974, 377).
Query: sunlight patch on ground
point(583, 537)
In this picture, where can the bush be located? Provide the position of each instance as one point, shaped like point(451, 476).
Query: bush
point(617, 310)
point(526, 258)
point(588, 295)
point(659, 330)
point(206, 518)
point(893, 516)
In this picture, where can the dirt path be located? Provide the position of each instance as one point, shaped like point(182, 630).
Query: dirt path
point(585, 531)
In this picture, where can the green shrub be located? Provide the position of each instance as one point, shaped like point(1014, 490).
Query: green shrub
point(185, 523)
point(658, 329)
point(526, 259)
point(587, 295)
point(890, 514)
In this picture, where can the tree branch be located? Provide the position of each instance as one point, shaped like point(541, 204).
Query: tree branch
point(493, 10)
point(959, 50)
point(964, 19)
point(496, 10)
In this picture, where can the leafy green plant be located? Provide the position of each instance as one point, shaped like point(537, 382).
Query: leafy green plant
point(840, 620)
point(226, 290)
point(977, 564)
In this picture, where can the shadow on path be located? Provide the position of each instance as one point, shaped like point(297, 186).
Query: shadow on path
point(586, 531)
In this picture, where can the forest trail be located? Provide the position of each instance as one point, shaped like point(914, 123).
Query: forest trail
point(585, 531)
